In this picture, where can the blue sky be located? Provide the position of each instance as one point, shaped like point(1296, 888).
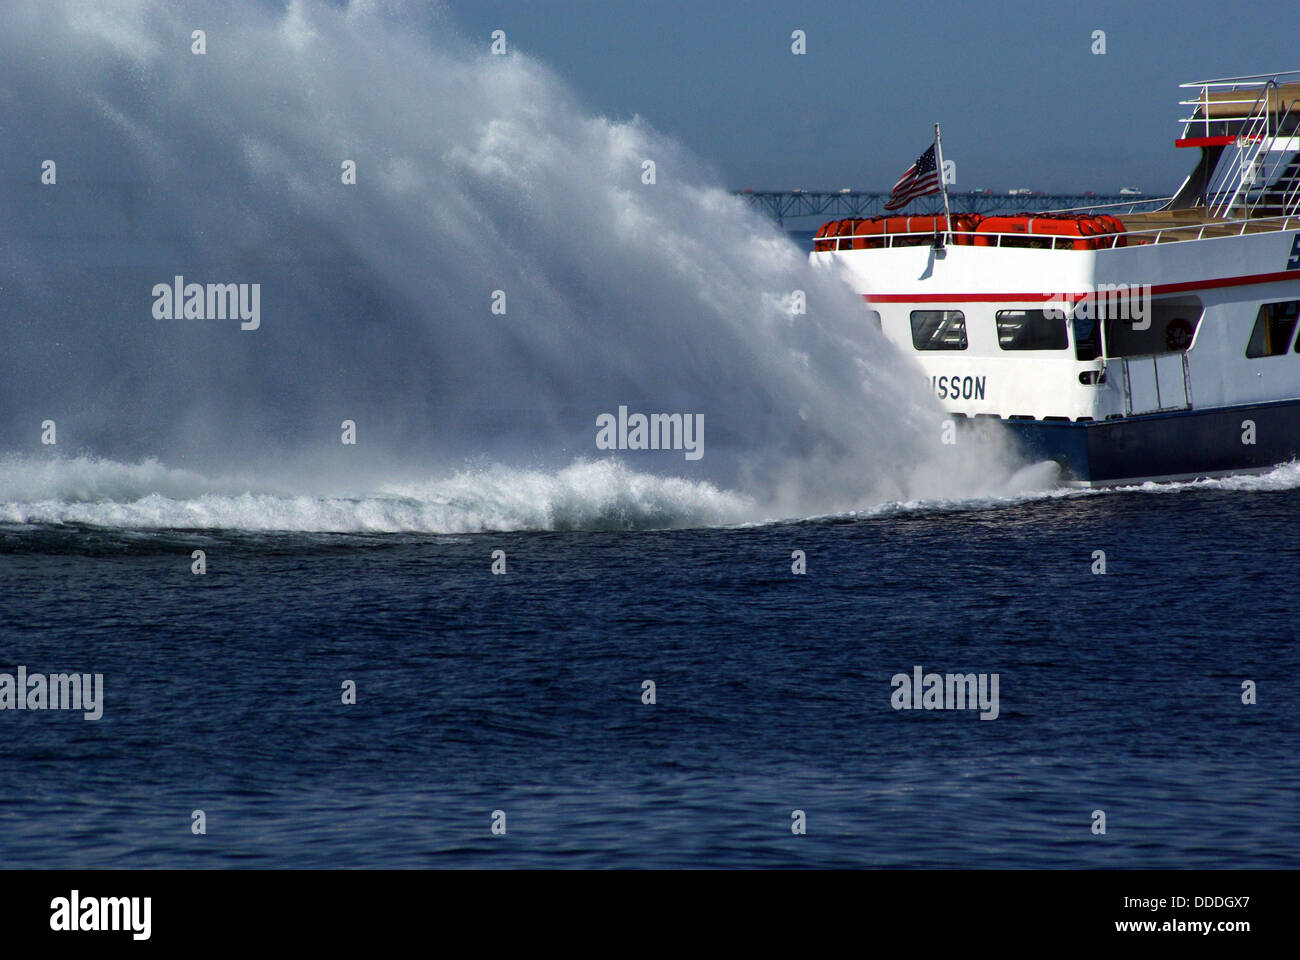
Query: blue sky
point(1022, 99)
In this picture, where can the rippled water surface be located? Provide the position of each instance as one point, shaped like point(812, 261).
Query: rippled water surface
point(522, 692)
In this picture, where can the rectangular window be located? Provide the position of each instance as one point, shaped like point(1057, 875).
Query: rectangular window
point(938, 330)
point(1087, 338)
point(1032, 330)
point(1274, 325)
point(1169, 326)
point(873, 318)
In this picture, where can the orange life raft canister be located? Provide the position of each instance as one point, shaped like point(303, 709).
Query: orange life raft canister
point(872, 233)
point(1092, 232)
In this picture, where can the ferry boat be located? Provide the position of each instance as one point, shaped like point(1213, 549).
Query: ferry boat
point(1126, 346)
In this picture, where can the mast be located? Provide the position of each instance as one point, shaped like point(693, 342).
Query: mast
point(943, 186)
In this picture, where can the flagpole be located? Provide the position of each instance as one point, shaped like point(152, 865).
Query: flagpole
point(943, 186)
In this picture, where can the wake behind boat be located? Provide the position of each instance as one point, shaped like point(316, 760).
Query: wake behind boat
point(1147, 346)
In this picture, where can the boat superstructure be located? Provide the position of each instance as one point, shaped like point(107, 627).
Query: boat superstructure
point(1126, 346)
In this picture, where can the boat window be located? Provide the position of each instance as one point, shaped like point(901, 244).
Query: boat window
point(1087, 338)
point(1032, 330)
point(938, 330)
point(1170, 327)
point(1274, 325)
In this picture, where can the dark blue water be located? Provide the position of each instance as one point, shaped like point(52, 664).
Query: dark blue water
point(522, 693)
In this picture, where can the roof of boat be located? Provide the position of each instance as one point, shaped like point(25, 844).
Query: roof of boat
point(1237, 98)
point(1228, 104)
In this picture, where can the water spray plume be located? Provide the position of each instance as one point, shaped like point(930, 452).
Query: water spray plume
point(474, 174)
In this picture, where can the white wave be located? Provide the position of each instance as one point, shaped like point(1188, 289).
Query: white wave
point(586, 495)
point(90, 479)
point(1037, 481)
point(1285, 476)
point(599, 495)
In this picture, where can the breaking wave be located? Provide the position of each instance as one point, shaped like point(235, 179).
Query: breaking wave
point(595, 495)
point(603, 495)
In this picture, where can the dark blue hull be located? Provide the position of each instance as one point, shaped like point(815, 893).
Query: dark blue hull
point(1179, 445)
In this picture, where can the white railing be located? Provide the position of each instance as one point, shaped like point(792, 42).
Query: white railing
point(1248, 87)
point(1253, 138)
point(1270, 174)
point(1157, 234)
point(1250, 111)
point(1106, 206)
point(1104, 241)
point(1251, 176)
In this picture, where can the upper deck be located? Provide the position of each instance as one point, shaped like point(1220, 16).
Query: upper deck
point(1138, 229)
point(1248, 131)
point(1246, 181)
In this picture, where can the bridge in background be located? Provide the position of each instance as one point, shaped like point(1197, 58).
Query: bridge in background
point(788, 205)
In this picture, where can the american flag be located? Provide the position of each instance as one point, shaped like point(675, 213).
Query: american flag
point(919, 179)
